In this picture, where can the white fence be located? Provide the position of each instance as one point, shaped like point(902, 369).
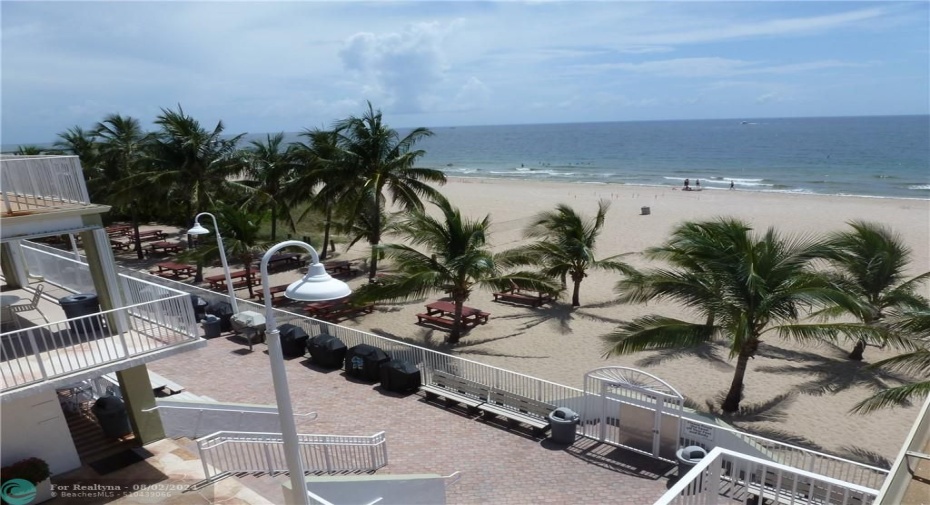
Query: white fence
point(33, 182)
point(234, 452)
point(555, 394)
point(739, 478)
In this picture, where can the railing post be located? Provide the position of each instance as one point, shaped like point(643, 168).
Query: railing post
point(204, 456)
point(268, 459)
point(327, 458)
point(38, 355)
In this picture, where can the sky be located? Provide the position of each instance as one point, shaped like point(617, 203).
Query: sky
point(286, 66)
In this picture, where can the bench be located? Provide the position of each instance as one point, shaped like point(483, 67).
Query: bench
point(347, 310)
point(454, 389)
point(516, 408)
point(437, 320)
point(119, 245)
point(517, 296)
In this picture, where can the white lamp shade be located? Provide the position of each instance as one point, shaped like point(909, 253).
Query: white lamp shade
point(198, 229)
point(317, 286)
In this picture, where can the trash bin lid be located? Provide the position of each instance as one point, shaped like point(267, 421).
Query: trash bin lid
point(108, 404)
point(80, 297)
point(692, 453)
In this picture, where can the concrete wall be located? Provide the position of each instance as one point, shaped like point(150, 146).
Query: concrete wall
point(35, 426)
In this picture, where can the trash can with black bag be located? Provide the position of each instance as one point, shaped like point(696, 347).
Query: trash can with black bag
point(364, 362)
point(211, 326)
point(562, 421)
point(111, 413)
point(293, 340)
point(80, 305)
point(400, 376)
point(327, 351)
point(688, 457)
point(200, 307)
point(224, 311)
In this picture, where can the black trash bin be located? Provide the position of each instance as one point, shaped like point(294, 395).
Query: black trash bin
point(293, 340)
point(80, 305)
point(211, 326)
point(400, 376)
point(687, 458)
point(327, 351)
point(364, 362)
point(562, 421)
point(200, 307)
point(111, 413)
point(224, 311)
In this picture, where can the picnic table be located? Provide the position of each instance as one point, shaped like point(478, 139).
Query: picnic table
point(174, 270)
point(118, 230)
point(443, 314)
point(147, 236)
point(334, 310)
point(165, 247)
point(218, 282)
point(285, 259)
point(340, 268)
point(275, 291)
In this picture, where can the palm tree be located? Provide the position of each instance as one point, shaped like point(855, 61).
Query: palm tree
point(317, 165)
point(566, 246)
point(380, 160)
point(742, 285)
point(119, 155)
point(79, 142)
point(195, 166)
point(268, 168)
point(29, 150)
point(456, 259)
point(871, 261)
point(241, 239)
point(915, 324)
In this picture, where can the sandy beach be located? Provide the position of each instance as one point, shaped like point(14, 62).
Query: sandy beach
point(559, 344)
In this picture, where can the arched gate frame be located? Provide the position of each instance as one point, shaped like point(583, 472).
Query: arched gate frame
point(632, 409)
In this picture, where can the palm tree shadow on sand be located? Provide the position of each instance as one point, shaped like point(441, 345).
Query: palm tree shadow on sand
point(561, 314)
point(707, 352)
point(434, 340)
point(832, 371)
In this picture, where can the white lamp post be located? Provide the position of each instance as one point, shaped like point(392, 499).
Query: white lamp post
point(317, 285)
point(198, 229)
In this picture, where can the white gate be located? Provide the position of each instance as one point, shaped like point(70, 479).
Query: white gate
point(632, 409)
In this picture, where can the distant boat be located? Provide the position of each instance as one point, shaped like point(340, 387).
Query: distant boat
point(744, 122)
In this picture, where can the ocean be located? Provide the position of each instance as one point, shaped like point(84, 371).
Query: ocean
point(860, 156)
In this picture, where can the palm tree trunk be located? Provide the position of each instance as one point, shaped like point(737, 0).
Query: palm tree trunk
point(576, 288)
point(248, 276)
point(456, 334)
point(375, 240)
point(735, 395)
point(326, 226)
point(274, 222)
point(137, 242)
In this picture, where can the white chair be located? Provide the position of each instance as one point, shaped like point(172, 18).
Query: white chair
point(30, 305)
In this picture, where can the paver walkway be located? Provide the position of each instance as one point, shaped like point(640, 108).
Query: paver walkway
point(496, 465)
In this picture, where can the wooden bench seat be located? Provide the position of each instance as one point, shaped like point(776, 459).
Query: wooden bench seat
point(517, 408)
point(347, 310)
point(437, 320)
point(455, 389)
point(518, 296)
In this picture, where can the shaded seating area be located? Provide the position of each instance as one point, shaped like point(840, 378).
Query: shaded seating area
point(164, 247)
point(277, 294)
point(525, 297)
point(218, 282)
point(442, 314)
point(12, 305)
point(172, 270)
point(336, 310)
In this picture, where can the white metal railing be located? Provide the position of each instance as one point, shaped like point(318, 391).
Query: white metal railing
point(43, 352)
point(556, 394)
point(787, 454)
point(35, 182)
point(233, 452)
point(738, 478)
point(57, 269)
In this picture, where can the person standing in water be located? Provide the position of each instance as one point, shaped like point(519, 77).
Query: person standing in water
point(731, 184)
point(697, 184)
point(687, 184)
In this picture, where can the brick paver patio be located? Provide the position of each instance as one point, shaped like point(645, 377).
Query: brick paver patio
point(497, 465)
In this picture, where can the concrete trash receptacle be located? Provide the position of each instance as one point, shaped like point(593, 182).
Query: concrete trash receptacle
point(645, 211)
point(111, 413)
point(562, 421)
point(687, 458)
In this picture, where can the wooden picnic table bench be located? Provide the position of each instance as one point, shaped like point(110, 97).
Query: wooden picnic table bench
point(335, 310)
point(148, 236)
point(275, 291)
point(165, 247)
point(119, 245)
point(118, 230)
point(516, 295)
point(218, 282)
point(170, 269)
point(443, 312)
point(454, 389)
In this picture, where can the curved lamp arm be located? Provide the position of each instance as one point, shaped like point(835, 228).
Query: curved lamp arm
point(200, 230)
point(316, 285)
